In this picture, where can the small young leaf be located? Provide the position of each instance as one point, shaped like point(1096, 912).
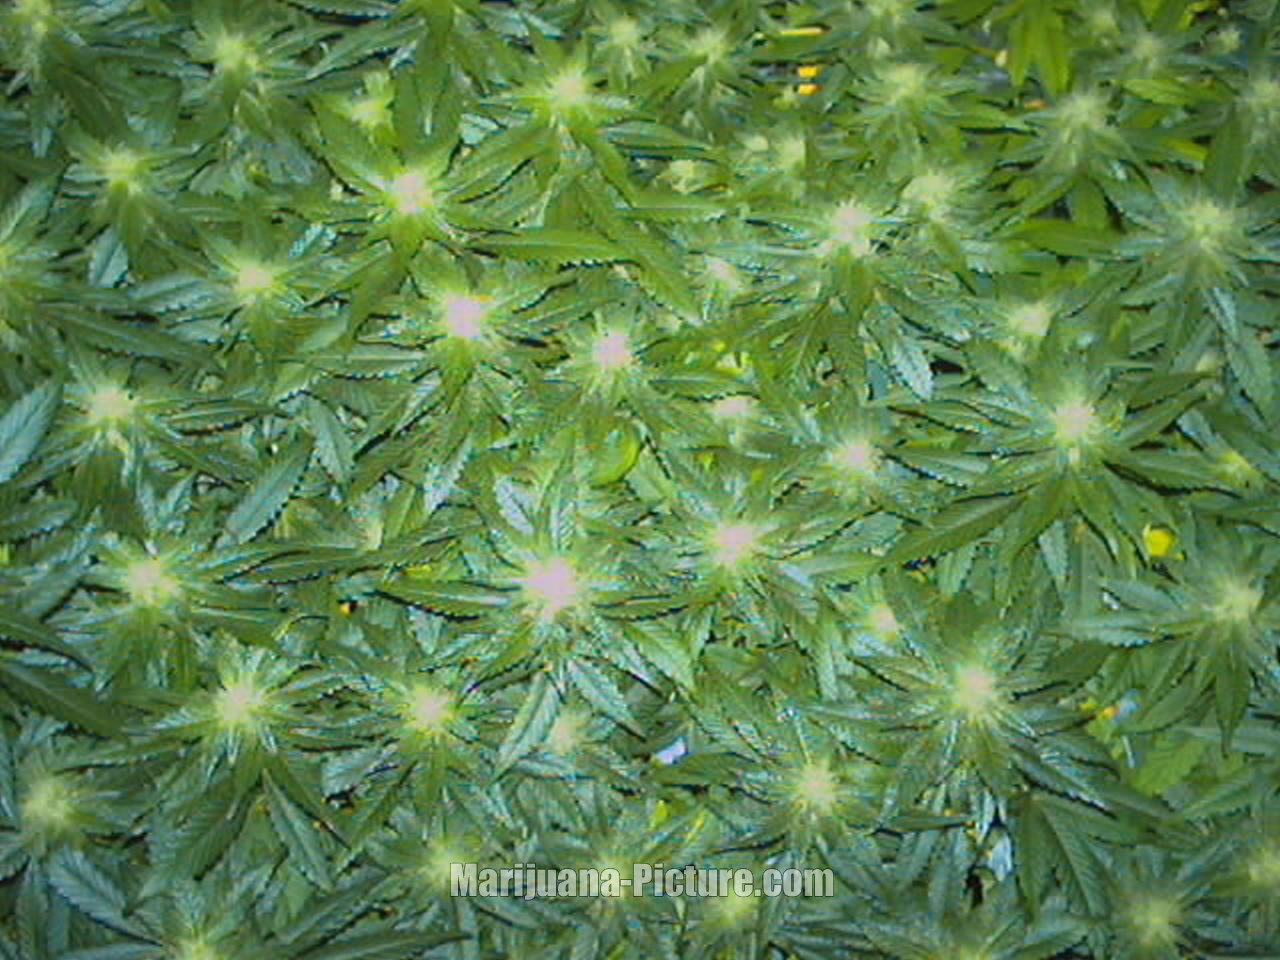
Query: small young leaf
point(531, 725)
point(268, 494)
point(24, 425)
point(961, 523)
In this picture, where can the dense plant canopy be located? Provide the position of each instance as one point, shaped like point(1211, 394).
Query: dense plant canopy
point(586, 433)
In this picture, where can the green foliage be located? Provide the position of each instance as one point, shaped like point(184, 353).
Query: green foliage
point(738, 433)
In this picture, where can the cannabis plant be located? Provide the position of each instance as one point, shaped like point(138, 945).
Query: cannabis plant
point(731, 435)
